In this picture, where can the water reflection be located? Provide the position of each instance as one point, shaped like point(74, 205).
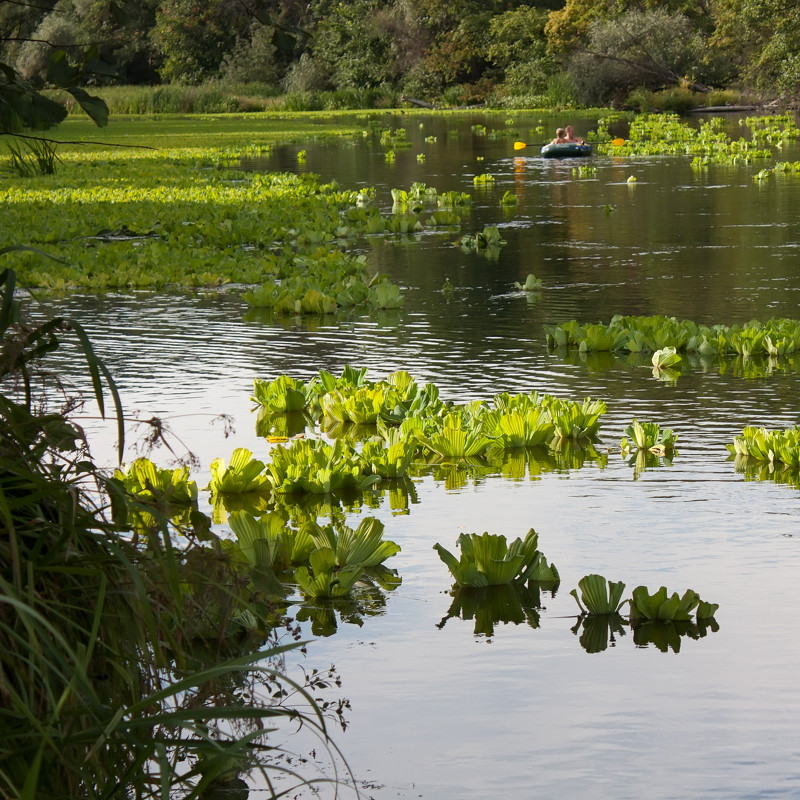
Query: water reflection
point(598, 632)
point(511, 603)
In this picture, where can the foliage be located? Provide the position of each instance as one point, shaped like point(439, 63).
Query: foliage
point(108, 682)
point(321, 579)
point(667, 337)
point(649, 436)
point(243, 474)
point(773, 447)
point(268, 541)
point(660, 607)
point(532, 284)
point(316, 467)
point(599, 596)
point(284, 394)
point(40, 158)
point(489, 560)
point(652, 48)
point(363, 546)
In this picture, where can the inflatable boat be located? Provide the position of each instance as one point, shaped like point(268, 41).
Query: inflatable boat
point(566, 150)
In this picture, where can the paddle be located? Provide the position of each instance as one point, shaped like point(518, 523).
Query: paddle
point(522, 145)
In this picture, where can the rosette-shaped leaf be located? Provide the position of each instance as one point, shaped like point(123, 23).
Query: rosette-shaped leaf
point(244, 474)
point(488, 560)
point(361, 405)
point(574, 421)
point(148, 482)
point(268, 541)
point(648, 436)
point(532, 284)
point(315, 467)
point(662, 607)
point(363, 546)
point(520, 429)
point(282, 395)
point(666, 358)
point(322, 580)
point(391, 457)
point(598, 595)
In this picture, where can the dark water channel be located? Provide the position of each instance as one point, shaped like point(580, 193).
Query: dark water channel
point(440, 712)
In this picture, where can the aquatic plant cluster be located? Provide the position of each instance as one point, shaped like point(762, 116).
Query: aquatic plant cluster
point(659, 618)
point(286, 239)
point(667, 134)
point(642, 334)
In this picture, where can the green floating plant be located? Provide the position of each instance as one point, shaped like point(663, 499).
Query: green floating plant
point(598, 595)
point(385, 295)
point(316, 467)
point(364, 546)
point(321, 578)
point(509, 199)
point(532, 284)
point(146, 481)
point(243, 474)
point(488, 560)
point(659, 606)
point(576, 421)
point(666, 358)
point(268, 541)
point(282, 395)
point(390, 456)
point(648, 436)
point(452, 441)
point(520, 428)
point(772, 447)
point(362, 404)
point(486, 239)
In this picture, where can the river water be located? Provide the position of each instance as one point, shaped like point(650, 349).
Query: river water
point(438, 710)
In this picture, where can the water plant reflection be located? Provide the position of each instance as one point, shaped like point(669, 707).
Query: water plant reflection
point(491, 605)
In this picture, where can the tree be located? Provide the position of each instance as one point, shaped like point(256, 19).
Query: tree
point(653, 49)
point(518, 46)
point(762, 37)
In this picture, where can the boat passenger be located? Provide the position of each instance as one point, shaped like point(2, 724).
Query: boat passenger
point(571, 137)
point(561, 137)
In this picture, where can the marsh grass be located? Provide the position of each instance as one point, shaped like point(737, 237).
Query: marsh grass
point(221, 97)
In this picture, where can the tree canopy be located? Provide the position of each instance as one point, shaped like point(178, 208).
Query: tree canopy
point(602, 48)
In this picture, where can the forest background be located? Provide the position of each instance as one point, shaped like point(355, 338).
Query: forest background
point(293, 55)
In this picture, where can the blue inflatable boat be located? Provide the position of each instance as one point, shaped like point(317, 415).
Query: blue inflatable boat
point(566, 150)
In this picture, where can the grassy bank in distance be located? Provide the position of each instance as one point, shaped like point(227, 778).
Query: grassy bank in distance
point(227, 98)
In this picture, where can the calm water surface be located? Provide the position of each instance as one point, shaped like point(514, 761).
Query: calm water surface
point(440, 712)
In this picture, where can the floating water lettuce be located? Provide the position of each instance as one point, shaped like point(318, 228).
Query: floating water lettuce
point(363, 546)
point(659, 606)
point(243, 474)
point(146, 481)
point(268, 541)
point(321, 578)
point(489, 560)
point(316, 467)
point(487, 239)
point(648, 436)
point(532, 284)
point(284, 394)
point(598, 595)
point(771, 446)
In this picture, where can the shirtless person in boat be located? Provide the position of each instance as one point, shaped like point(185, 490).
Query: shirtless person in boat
point(561, 136)
point(571, 137)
